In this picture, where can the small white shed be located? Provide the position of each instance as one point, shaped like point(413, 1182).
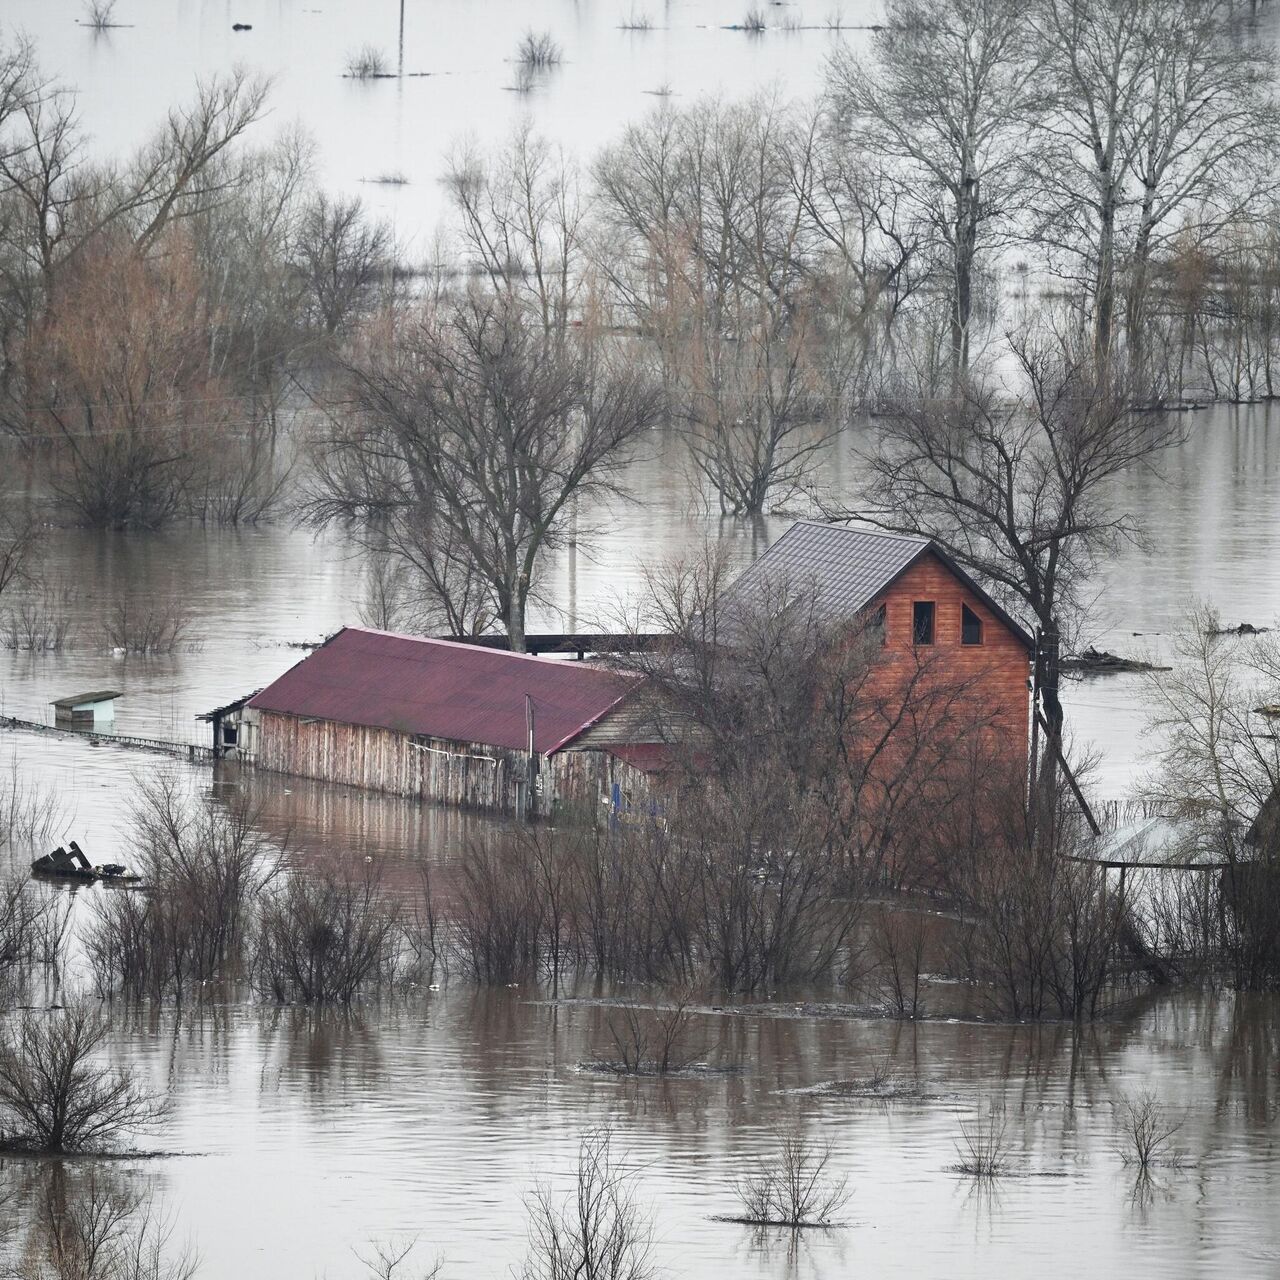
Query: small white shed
point(98, 706)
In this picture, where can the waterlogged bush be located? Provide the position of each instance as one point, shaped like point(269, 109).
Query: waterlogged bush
point(56, 1095)
point(539, 50)
point(146, 626)
point(368, 63)
point(793, 1188)
point(327, 936)
point(692, 903)
point(598, 1230)
point(205, 866)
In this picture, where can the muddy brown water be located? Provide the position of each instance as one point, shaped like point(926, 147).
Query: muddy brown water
point(433, 1116)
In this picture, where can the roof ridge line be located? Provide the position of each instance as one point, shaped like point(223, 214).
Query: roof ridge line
point(872, 531)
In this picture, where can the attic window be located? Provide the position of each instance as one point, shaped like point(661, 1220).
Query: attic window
point(970, 626)
point(922, 622)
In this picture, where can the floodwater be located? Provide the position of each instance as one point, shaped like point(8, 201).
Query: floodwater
point(306, 1134)
point(319, 1131)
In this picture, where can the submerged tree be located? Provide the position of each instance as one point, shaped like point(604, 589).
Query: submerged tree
point(1161, 114)
point(1217, 770)
point(463, 444)
point(1017, 484)
point(712, 248)
point(949, 94)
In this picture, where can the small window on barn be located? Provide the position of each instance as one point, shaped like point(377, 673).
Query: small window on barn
point(922, 622)
point(970, 626)
point(229, 735)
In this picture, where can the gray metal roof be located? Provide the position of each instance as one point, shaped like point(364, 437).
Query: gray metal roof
point(847, 568)
point(86, 699)
point(844, 568)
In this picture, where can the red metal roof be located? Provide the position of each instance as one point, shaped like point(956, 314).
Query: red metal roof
point(442, 689)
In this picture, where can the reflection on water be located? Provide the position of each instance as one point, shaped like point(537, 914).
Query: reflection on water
point(431, 1119)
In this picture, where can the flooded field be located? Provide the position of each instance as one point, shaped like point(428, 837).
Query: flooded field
point(300, 1135)
point(432, 1117)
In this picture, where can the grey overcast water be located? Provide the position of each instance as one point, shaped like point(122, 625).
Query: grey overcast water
point(308, 1133)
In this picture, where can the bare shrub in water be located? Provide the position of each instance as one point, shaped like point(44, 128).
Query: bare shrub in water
point(499, 921)
point(898, 947)
point(793, 1188)
point(1147, 1130)
point(55, 1093)
point(367, 63)
point(598, 1230)
point(387, 1260)
point(1041, 935)
point(754, 21)
point(98, 14)
point(206, 866)
point(46, 624)
point(152, 626)
point(33, 922)
point(539, 50)
point(649, 1041)
point(326, 935)
point(99, 1229)
point(30, 811)
point(983, 1146)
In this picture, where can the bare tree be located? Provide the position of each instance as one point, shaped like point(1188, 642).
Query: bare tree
point(465, 440)
point(1160, 111)
point(1217, 769)
point(55, 1095)
point(118, 388)
point(1015, 483)
point(599, 1232)
point(522, 220)
point(949, 92)
point(719, 271)
point(343, 257)
point(794, 1188)
point(97, 1229)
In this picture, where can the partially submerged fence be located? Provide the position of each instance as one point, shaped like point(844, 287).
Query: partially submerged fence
point(182, 750)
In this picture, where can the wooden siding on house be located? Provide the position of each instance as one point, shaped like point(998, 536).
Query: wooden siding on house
point(462, 775)
point(996, 671)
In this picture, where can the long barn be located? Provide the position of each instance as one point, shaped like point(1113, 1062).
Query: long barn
point(441, 721)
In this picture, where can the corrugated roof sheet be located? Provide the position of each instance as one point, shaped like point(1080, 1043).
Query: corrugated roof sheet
point(845, 568)
point(443, 689)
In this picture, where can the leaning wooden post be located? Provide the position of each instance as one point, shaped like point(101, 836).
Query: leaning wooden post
point(531, 768)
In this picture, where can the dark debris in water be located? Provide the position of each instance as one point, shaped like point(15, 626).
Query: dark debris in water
point(650, 1071)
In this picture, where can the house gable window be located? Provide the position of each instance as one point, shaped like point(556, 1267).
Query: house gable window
point(970, 626)
point(922, 622)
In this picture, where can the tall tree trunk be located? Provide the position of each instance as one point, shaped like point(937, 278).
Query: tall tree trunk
point(966, 246)
point(1104, 293)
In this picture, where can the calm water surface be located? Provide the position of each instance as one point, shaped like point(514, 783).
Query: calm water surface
point(432, 1119)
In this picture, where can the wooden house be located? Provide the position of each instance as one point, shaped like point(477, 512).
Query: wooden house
point(438, 720)
point(929, 613)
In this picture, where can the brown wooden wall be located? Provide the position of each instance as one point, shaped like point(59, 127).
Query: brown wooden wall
point(997, 670)
point(464, 775)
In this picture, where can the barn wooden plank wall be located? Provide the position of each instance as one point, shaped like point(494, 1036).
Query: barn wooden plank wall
point(465, 775)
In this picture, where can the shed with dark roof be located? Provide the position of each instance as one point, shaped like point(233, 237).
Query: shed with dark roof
point(436, 719)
